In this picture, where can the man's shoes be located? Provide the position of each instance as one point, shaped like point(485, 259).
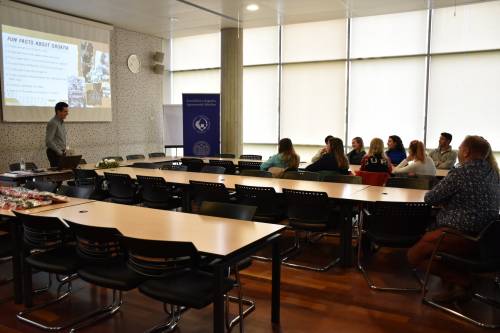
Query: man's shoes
point(453, 293)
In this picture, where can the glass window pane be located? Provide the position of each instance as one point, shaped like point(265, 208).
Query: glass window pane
point(314, 41)
point(194, 52)
point(464, 98)
point(313, 101)
point(466, 28)
point(261, 45)
point(389, 35)
point(260, 104)
point(202, 81)
point(387, 97)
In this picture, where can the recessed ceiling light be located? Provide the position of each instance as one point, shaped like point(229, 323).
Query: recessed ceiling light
point(252, 7)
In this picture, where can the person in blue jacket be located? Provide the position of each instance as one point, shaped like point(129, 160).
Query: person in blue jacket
point(396, 151)
point(286, 157)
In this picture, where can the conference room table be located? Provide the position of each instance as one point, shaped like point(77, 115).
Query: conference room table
point(16, 235)
point(17, 178)
point(440, 173)
point(229, 240)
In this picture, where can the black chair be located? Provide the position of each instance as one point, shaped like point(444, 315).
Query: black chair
point(415, 183)
point(83, 192)
point(42, 186)
point(176, 285)
point(174, 167)
point(225, 155)
point(121, 188)
point(116, 158)
point(256, 173)
point(248, 165)
point(343, 179)
point(394, 225)
point(239, 212)
point(17, 166)
point(193, 164)
point(251, 157)
point(135, 157)
point(433, 180)
point(157, 193)
point(5, 254)
point(103, 263)
point(159, 154)
point(270, 207)
point(145, 165)
point(309, 212)
point(48, 248)
point(90, 178)
point(207, 191)
point(486, 261)
point(213, 169)
point(302, 175)
point(82, 161)
point(228, 165)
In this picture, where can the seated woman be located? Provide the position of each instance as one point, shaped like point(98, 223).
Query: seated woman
point(358, 151)
point(417, 162)
point(322, 151)
point(286, 157)
point(376, 160)
point(396, 151)
point(333, 160)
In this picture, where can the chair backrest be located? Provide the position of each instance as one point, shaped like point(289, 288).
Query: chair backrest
point(228, 165)
point(17, 166)
point(207, 191)
point(158, 154)
point(174, 167)
point(302, 175)
point(42, 232)
point(213, 169)
point(85, 177)
point(343, 179)
point(256, 173)
point(82, 161)
point(96, 243)
point(488, 244)
point(373, 178)
point(264, 198)
point(307, 206)
point(135, 157)
point(248, 165)
point(116, 158)
point(42, 186)
point(120, 185)
point(225, 155)
point(227, 210)
point(251, 157)
point(153, 258)
point(415, 183)
point(145, 165)
point(433, 180)
point(83, 192)
point(154, 189)
point(397, 222)
point(193, 164)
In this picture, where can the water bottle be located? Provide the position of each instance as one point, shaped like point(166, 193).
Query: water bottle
point(22, 165)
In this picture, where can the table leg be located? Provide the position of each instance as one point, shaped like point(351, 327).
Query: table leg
point(276, 282)
point(218, 316)
point(16, 260)
point(346, 234)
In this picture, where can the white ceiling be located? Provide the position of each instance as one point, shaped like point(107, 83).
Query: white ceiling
point(154, 17)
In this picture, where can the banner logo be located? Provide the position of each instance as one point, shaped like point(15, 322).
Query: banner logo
point(201, 148)
point(201, 124)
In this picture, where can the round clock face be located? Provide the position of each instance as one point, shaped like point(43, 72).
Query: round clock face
point(134, 64)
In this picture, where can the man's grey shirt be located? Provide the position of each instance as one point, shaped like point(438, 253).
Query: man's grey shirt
point(55, 135)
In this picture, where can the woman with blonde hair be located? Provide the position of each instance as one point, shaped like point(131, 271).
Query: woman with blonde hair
point(286, 157)
point(333, 160)
point(417, 162)
point(376, 160)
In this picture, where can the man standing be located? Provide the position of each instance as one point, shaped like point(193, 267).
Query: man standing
point(469, 197)
point(55, 135)
point(443, 156)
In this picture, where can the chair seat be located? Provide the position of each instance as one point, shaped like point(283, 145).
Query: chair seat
point(63, 260)
point(113, 276)
point(171, 203)
point(194, 289)
point(124, 201)
point(470, 264)
point(393, 240)
point(313, 227)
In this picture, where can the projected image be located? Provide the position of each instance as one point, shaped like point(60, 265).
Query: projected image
point(41, 69)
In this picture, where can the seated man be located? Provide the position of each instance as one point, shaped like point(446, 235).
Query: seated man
point(443, 156)
point(470, 199)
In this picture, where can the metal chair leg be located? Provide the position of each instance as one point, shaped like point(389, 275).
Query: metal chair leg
point(99, 314)
point(241, 301)
point(172, 320)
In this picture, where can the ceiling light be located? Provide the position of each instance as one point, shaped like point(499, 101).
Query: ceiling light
point(252, 7)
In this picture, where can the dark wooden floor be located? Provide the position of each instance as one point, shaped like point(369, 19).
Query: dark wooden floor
point(336, 301)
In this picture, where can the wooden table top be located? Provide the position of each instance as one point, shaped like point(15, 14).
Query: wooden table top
point(389, 194)
point(334, 190)
point(71, 202)
point(211, 235)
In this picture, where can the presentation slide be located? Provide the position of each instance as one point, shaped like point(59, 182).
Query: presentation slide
point(41, 69)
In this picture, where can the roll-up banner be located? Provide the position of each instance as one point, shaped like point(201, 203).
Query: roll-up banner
point(201, 124)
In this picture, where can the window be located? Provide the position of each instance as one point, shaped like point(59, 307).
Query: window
point(195, 52)
point(197, 81)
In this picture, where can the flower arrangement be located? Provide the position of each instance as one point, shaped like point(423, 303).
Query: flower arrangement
point(107, 164)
